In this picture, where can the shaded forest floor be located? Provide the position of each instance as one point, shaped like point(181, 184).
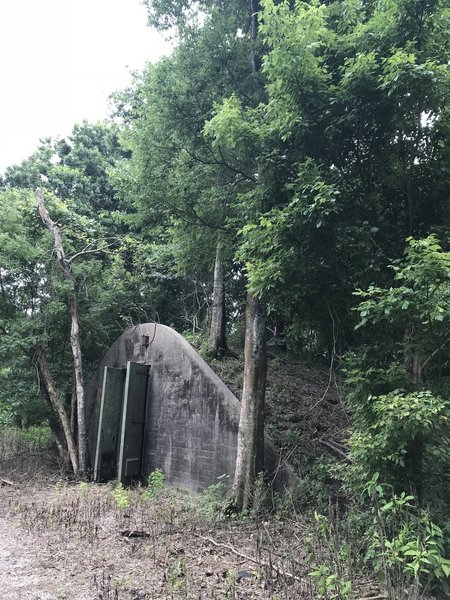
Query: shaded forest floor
point(63, 539)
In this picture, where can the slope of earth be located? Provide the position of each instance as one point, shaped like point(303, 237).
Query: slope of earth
point(305, 415)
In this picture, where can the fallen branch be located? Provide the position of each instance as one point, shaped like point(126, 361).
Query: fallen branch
point(132, 533)
point(6, 481)
point(135, 534)
point(334, 448)
point(338, 445)
point(433, 354)
point(249, 558)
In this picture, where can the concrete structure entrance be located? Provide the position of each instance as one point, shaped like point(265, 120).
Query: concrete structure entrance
point(155, 403)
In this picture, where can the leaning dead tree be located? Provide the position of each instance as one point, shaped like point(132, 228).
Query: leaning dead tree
point(58, 407)
point(65, 265)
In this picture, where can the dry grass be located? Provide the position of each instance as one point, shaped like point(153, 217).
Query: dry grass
point(127, 545)
point(27, 455)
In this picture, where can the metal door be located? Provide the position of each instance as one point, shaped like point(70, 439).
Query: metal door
point(133, 423)
point(105, 466)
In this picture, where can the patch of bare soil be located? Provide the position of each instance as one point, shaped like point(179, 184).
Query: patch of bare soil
point(24, 571)
point(86, 542)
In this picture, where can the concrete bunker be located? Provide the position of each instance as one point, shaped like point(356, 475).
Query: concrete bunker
point(155, 403)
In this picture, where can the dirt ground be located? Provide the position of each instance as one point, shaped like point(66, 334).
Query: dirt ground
point(24, 571)
point(83, 542)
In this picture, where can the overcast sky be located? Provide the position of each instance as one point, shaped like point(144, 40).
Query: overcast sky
point(59, 62)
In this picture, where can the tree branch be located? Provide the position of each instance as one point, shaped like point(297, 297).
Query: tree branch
point(433, 354)
point(88, 250)
point(234, 169)
point(260, 563)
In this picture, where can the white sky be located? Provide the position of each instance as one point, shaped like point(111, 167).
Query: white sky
point(59, 62)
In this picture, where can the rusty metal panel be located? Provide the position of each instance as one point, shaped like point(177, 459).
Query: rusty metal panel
point(133, 423)
point(105, 467)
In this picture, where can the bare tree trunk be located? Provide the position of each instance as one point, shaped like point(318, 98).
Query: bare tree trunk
point(60, 441)
point(416, 367)
point(217, 334)
point(410, 207)
point(73, 409)
point(59, 409)
point(413, 362)
point(250, 450)
point(255, 7)
point(55, 426)
point(79, 383)
point(75, 331)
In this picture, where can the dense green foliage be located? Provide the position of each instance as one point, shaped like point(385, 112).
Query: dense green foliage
point(399, 387)
point(323, 177)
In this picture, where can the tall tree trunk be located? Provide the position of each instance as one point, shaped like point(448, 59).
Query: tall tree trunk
point(250, 450)
point(74, 334)
point(217, 333)
point(413, 362)
point(255, 7)
point(59, 409)
point(73, 408)
point(416, 368)
point(79, 384)
point(410, 206)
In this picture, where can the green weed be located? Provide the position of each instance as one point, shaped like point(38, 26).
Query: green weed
point(121, 497)
point(156, 483)
point(212, 501)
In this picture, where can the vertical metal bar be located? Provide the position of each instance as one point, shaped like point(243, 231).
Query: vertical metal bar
point(120, 469)
point(144, 427)
point(99, 430)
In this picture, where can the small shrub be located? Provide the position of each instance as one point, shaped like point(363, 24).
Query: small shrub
point(83, 488)
point(178, 580)
point(393, 538)
point(261, 495)
point(231, 585)
point(329, 585)
point(406, 548)
point(156, 483)
point(212, 501)
point(285, 504)
point(121, 497)
point(329, 556)
point(314, 484)
point(403, 433)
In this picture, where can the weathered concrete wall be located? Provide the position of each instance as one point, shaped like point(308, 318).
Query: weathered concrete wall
point(192, 418)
